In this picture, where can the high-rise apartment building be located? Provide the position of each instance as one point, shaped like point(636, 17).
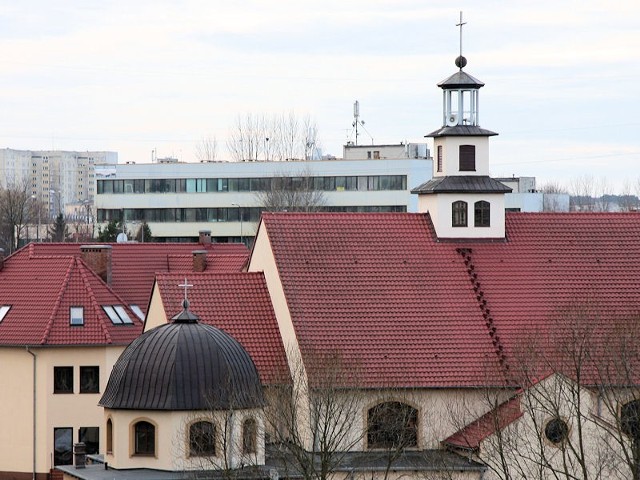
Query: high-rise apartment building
point(54, 177)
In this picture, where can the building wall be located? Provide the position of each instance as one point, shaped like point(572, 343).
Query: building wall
point(417, 170)
point(439, 207)
point(450, 155)
point(72, 410)
point(172, 440)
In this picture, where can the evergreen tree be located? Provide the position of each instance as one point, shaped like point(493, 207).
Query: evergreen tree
point(109, 233)
point(144, 234)
point(60, 230)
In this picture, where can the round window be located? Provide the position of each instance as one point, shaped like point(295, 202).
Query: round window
point(556, 430)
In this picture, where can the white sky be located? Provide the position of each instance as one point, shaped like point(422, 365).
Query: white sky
point(562, 77)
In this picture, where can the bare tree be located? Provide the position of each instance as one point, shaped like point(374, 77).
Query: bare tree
point(206, 149)
point(583, 191)
point(292, 193)
point(276, 138)
point(551, 192)
point(316, 420)
point(577, 415)
point(15, 209)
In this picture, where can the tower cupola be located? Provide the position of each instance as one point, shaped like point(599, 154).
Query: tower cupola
point(460, 97)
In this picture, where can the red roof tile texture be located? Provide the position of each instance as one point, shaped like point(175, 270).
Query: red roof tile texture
point(42, 281)
point(471, 435)
point(239, 304)
point(406, 309)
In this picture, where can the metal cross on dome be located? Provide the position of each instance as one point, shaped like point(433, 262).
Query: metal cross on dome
point(185, 285)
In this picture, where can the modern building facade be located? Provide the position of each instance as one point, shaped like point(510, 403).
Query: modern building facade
point(177, 200)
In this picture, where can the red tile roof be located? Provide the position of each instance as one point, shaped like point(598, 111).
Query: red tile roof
point(43, 280)
point(410, 310)
point(382, 291)
point(42, 290)
point(239, 304)
point(471, 435)
point(134, 265)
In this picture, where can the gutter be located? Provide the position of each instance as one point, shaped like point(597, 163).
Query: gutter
point(34, 410)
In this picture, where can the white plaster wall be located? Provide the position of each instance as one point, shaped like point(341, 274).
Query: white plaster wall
point(439, 207)
point(172, 439)
point(450, 155)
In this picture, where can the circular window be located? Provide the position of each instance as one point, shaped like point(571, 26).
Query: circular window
point(556, 430)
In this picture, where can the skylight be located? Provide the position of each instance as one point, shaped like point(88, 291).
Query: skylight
point(3, 311)
point(122, 313)
point(117, 314)
point(136, 309)
point(76, 316)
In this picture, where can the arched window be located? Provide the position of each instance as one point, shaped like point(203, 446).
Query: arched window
point(144, 438)
point(202, 439)
point(392, 425)
point(630, 419)
point(459, 214)
point(249, 436)
point(467, 158)
point(482, 214)
point(109, 436)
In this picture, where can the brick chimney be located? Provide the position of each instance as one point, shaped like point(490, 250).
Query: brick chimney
point(204, 237)
point(98, 258)
point(1, 258)
point(199, 260)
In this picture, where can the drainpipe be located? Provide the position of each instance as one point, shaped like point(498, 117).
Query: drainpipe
point(34, 411)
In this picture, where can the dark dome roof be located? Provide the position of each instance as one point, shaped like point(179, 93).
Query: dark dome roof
point(184, 365)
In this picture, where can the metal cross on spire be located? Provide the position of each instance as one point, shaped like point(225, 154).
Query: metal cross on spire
point(461, 24)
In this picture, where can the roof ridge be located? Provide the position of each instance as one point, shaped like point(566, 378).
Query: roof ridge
point(486, 311)
point(84, 270)
point(56, 306)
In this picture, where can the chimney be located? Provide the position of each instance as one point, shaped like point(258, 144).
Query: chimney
point(98, 258)
point(80, 454)
point(199, 260)
point(1, 258)
point(204, 237)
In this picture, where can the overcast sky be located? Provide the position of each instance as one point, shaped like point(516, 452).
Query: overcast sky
point(562, 77)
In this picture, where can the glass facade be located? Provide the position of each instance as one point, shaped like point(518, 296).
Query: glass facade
point(213, 185)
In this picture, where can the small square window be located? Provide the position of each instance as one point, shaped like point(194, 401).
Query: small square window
point(62, 379)
point(89, 379)
point(76, 316)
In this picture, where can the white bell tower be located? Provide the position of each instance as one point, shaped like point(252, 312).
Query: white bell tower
point(461, 198)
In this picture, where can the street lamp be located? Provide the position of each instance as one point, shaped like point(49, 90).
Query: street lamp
point(35, 201)
point(240, 216)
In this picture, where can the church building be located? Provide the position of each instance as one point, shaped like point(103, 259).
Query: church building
point(460, 342)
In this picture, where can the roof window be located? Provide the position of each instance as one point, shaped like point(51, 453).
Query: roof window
point(3, 311)
point(76, 316)
point(117, 314)
point(136, 309)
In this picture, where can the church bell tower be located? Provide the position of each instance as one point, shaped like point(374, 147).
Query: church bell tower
point(461, 198)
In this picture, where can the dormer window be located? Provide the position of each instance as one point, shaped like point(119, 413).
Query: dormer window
point(467, 158)
point(117, 314)
point(459, 214)
point(76, 316)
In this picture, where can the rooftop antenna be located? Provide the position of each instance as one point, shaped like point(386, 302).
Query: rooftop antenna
point(461, 61)
point(357, 122)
